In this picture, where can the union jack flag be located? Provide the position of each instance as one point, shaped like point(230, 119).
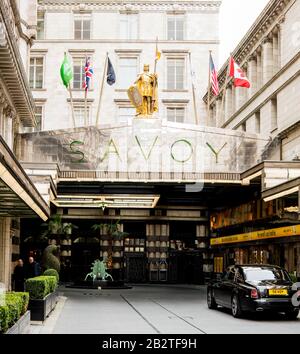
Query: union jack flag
point(88, 74)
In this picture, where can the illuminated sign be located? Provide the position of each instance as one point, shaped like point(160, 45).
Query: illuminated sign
point(288, 231)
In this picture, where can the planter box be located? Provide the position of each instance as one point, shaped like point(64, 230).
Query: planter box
point(40, 309)
point(22, 326)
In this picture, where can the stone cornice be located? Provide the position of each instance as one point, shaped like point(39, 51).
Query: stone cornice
point(129, 5)
point(267, 23)
point(14, 77)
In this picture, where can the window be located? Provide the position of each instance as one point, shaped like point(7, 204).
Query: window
point(38, 117)
point(175, 74)
point(82, 27)
point(126, 113)
point(175, 28)
point(244, 127)
point(176, 114)
point(36, 72)
point(79, 114)
point(127, 71)
point(78, 73)
point(128, 26)
point(40, 25)
point(274, 114)
point(257, 122)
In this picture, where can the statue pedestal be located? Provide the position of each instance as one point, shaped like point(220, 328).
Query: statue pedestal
point(146, 123)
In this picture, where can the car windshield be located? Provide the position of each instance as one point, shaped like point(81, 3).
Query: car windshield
point(260, 274)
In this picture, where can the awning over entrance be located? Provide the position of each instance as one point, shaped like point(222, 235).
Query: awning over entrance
point(272, 174)
point(282, 190)
point(18, 195)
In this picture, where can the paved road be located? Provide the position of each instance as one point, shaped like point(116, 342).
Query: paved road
point(156, 309)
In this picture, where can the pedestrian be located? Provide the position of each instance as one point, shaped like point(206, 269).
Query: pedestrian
point(19, 276)
point(33, 268)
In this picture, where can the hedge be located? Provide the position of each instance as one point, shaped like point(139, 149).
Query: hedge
point(4, 318)
point(13, 307)
point(40, 287)
point(52, 272)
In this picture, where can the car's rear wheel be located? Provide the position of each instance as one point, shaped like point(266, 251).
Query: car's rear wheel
point(292, 315)
point(211, 302)
point(236, 307)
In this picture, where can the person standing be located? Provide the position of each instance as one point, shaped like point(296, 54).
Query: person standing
point(19, 276)
point(33, 269)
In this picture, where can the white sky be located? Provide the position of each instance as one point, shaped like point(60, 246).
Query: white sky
point(236, 17)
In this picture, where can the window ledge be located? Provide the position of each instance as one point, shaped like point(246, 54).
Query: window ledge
point(38, 89)
point(169, 90)
point(81, 90)
point(121, 90)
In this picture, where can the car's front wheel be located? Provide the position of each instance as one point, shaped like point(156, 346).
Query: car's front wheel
point(236, 307)
point(292, 315)
point(211, 302)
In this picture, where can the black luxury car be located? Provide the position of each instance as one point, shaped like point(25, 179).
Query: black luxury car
point(254, 288)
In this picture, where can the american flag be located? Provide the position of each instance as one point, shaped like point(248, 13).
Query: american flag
point(214, 77)
point(88, 74)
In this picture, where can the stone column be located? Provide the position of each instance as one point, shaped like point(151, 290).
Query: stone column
point(276, 56)
point(233, 100)
point(228, 103)
point(252, 72)
point(5, 252)
point(267, 60)
point(259, 68)
point(218, 112)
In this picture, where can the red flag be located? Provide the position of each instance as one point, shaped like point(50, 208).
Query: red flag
point(240, 79)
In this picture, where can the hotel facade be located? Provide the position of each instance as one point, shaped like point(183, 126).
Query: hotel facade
point(194, 192)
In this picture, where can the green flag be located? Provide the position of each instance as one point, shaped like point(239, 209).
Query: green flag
point(66, 71)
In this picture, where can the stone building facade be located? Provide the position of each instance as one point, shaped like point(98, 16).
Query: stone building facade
point(270, 56)
point(127, 31)
point(18, 195)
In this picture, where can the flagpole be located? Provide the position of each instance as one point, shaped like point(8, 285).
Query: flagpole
point(101, 89)
point(224, 91)
point(72, 105)
point(209, 88)
point(193, 90)
point(85, 98)
point(154, 98)
point(156, 50)
point(85, 107)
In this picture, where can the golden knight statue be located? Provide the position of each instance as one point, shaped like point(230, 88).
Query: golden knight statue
point(143, 94)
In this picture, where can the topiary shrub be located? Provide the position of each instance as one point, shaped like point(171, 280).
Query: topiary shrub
point(15, 305)
point(37, 287)
point(50, 258)
point(40, 287)
point(52, 281)
point(52, 272)
point(25, 300)
point(4, 318)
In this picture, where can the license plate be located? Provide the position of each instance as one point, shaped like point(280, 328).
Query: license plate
point(278, 292)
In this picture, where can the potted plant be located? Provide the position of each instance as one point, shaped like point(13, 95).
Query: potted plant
point(68, 228)
point(54, 225)
point(42, 294)
point(14, 317)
